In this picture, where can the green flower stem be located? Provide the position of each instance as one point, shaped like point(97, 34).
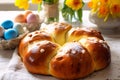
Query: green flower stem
point(69, 14)
point(39, 7)
point(79, 13)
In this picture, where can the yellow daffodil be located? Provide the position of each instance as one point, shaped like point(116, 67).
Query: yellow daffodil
point(72, 10)
point(115, 1)
point(74, 4)
point(22, 4)
point(36, 1)
point(115, 9)
point(93, 4)
point(103, 12)
point(104, 8)
point(104, 1)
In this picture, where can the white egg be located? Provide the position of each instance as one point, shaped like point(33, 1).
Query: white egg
point(19, 28)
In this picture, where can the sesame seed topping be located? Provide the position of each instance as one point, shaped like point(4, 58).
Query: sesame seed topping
point(101, 41)
point(83, 51)
point(73, 51)
point(42, 50)
point(31, 59)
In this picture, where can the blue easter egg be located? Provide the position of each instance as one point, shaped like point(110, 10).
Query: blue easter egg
point(7, 24)
point(10, 34)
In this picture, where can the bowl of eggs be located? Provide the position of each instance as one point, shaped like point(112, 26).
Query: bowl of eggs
point(29, 19)
point(10, 34)
point(12, 31)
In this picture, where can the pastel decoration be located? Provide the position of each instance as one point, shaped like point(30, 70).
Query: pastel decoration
point(27, 12)
point(1, 31)
point(32, 18)
point(19, 28)
point(10, 34)
point(20, 18)
point(7, 24)
point(38, 18)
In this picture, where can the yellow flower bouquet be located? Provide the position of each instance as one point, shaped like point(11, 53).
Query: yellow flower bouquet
point(105, 8)
point(72, 9)
point(105, 14)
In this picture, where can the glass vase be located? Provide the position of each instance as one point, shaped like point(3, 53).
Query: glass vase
point(73, 20)
point(51, 12)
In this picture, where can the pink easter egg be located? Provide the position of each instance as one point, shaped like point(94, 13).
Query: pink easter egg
point(32, 18)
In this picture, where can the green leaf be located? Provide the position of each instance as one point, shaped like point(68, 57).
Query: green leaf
point(79, 14)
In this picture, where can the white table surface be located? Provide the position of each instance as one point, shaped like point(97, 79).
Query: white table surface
point(113, 41)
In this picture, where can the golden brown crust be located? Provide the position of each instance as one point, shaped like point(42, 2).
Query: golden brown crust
point(38, 56)
point(99, 50)
point(58, 31)
point(31, 37)
point(76, 34)
point(71, 62)
point(64, 52)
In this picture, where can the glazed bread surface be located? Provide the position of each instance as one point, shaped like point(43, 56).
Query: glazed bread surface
point(64, 52)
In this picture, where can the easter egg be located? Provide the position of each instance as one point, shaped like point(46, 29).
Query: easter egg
point(27, 12)
point(10, 34)
point(32, 18)
point(7, 24)
point(20, 18)
point(38, 18)
point(19, 28)
point(1, 31)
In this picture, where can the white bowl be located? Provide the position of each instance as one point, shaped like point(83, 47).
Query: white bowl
point(110, 23)
point(109, 26)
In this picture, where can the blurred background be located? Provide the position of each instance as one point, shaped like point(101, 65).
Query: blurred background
point(8, 5)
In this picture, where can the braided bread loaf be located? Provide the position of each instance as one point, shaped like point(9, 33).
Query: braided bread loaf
point(64, 52)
